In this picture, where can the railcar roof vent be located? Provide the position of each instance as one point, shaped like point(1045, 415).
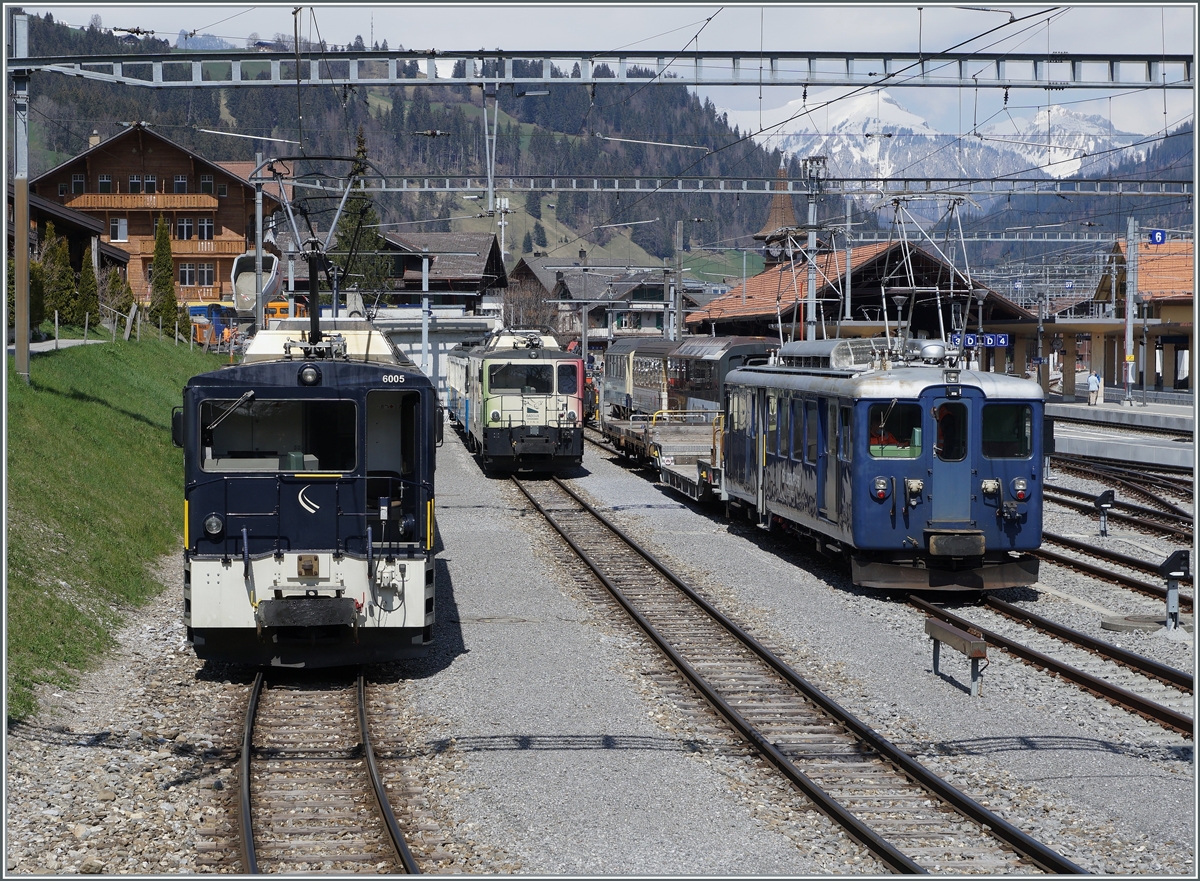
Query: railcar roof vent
point(847, 354)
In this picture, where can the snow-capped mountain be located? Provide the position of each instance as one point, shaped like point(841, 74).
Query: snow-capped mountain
point(1064, 142)
point(872, 135)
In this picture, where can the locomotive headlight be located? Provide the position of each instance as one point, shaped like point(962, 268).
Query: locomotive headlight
point(213, 524)
point(572, 416)
point(309, 375)
point(879, 488)
point(1020, 489)
point(494, 416)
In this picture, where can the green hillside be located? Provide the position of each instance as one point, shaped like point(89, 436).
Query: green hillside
point(95, 491)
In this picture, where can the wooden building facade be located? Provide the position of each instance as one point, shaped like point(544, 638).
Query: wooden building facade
point(132, 179)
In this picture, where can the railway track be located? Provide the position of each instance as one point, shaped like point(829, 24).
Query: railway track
point(311, 798)
point(1141, 685)
point(1150, 484)
point(1124, 580)
point(909, 818)
point(1152, 520)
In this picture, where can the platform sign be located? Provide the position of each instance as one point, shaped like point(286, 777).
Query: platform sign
point(1068, 284)
point(970, 341)
point(956, 339)
point(989, 340)
point(1036, 360)
point(1001, 341)
point(1158, 236)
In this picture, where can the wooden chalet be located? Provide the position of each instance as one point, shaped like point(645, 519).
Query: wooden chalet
point(465, 270)
point(82, 231)
point(130, 180)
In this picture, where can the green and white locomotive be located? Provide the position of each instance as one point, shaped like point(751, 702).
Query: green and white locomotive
point(517, 398)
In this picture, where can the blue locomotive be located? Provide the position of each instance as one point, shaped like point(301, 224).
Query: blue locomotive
point(925, 475)
point(308, 500)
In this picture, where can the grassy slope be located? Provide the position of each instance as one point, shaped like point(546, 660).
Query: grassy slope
point(94, 497)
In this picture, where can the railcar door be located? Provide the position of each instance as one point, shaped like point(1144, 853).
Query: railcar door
point(740, 448)
point(827, 478)
point(952, 465)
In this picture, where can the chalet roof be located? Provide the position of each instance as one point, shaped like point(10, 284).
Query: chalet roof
point(457, 256)
point(781, 285)
point(107, 147)
point(782, 213)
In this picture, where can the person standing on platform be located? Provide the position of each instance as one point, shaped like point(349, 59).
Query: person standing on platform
point(1093, 388)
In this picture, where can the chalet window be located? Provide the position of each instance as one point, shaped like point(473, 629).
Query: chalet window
point(208, 272)
point(151, 183)
point(206, 183)
point(205, 229)
point(222, 190)
point(183, 228)
point(181, 183)
point(105, 183)
point(135, 183)
point(62, 189)
point(76, 183)
point(187, 274)
point(118, 229)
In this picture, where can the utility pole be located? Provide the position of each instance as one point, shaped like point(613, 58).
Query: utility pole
point(846, 292)
point(813, 166)
point(20, 81)
point(259, 306)
point(677, 299)
point(1131, 289)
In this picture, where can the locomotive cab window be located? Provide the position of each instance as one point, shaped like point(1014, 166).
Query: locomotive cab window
point(253, 434)
point(1007, 431)
point(568, 378)
point(531, 378)
point(951, 443)
point(894, 431)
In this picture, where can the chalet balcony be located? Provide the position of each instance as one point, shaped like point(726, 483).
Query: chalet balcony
point(194, 247)
point(142, 202)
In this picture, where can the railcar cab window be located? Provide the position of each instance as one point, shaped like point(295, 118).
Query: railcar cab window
point(1007, 431)
point(894, 431)
point(951, 443)
point(568, 378)
point(260, 434)
point(532, 378)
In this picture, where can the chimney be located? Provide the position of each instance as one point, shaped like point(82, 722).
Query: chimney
point(94, 139)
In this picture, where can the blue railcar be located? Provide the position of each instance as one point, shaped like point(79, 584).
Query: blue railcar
point(925, 476)
point(308, 501)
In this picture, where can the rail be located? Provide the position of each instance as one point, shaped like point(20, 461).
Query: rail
point(1020, 842)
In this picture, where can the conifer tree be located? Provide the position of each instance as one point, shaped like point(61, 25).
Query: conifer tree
point(87, 301)
point(539, 235)
point(357, 237)
point(57, 276)
point(163, 302)
point(527, 244)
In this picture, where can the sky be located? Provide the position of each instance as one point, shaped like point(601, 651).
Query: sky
point(667, 28)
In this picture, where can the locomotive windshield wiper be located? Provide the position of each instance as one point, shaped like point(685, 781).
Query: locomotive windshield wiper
point(248, 396)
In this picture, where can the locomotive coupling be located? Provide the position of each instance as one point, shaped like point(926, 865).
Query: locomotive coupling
point(1010, 512)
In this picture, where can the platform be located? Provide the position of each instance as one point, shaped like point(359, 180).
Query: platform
point(1101, 431)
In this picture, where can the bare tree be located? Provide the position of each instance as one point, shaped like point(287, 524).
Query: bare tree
point(525, 305)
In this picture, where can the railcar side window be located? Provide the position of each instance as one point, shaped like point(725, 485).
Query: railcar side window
point(811, 431)
point(951, 443)
point(797, 408)
point(518, 376)
point(278, 435)
point(894, 431)
point(846, 445)
point(1007, 431)
point(568, 378)
point(772, 424)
